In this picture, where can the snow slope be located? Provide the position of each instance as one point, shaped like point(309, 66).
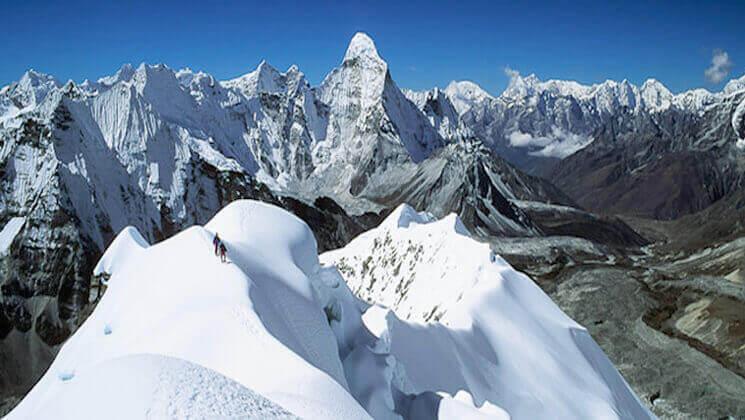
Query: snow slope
point(274, 333)
point(488, 330)
point(253, 321)
point(157, 386)
point(738, 123)
point(9, 232)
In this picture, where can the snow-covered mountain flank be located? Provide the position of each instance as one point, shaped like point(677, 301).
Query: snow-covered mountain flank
point(275, 333)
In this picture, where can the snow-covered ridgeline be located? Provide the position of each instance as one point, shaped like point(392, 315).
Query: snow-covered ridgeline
point(308, 140)
point(555, 118)
point(491, 325)
point(276, 332)
point(269, 124)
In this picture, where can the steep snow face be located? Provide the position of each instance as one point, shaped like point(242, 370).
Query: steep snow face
point(34, 87)
point(9, 233)
point(655, 96)
point(413, 264)
point(265, 79)
point(465, 95)
point(367, 106)
point(734, 86)
point(738, 123)
point(489, 331)
point(25, 96)
point(439, 110)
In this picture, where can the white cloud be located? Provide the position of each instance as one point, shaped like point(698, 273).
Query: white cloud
point(520, 139)
point(511, 73)
point(720, 67)
point(558, 143)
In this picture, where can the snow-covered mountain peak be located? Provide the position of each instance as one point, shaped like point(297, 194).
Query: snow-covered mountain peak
point(413, 240)
point(267, 79)
point(33, 79)
point(272, 320)
point(124, 74)
point(655, 95)
point(439, 109)
point(154, 76)
point(34, 86)
point(262, 303)
point(361, 46)
point(293, 70)
point(404, 215)
point(521, 86)
point(734, 85)
point(464, 94)
point(365, 104)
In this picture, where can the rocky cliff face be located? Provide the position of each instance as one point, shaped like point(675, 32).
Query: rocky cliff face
point(662, 166)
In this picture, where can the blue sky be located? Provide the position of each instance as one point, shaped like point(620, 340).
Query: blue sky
point(425, 43)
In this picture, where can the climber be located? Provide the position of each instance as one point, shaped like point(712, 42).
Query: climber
point(223, 252)
point(216, 242)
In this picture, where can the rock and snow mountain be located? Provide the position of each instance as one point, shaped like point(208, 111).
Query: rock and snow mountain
point(534, 124)
point(440, 112)
point(161, 150)
point(469, 179)
point(285, 335)
point(662, 166)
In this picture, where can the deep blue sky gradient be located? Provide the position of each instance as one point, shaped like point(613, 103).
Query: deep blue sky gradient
point(425, 43)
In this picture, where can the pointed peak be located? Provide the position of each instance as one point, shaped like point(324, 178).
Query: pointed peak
point(734, 85)
point(124, 74)
point(153, 68)
point(467, 89)
point(653, 85)
point(404, 215)
point(266, 68)
point(361, 45)
point(34, 78)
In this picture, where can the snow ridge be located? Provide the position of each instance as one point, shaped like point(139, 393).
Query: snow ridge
point(275, 333)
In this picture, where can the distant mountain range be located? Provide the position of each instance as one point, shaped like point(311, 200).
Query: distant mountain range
point(161, 149)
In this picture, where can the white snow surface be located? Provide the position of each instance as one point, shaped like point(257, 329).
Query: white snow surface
point(9, 233)
point(254, 321)
point(156, 386)
point(462, 319)
point(738, 123)
point(274, 333)
point(127, 245)
point(465, 94)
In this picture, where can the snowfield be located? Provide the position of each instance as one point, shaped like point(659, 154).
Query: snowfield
point(9, 233)
point(274, 333)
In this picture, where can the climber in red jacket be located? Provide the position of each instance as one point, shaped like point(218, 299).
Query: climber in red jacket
point(223, 252)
